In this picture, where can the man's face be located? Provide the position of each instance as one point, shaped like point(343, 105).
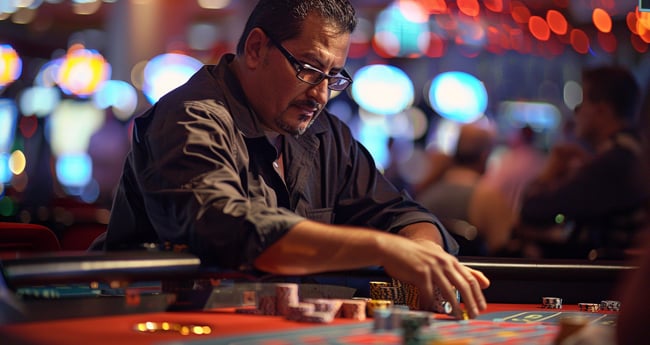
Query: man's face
point(289, 105)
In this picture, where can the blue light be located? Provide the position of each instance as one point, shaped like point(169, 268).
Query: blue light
point(166, 72)
point(8, 117)
point(117, 94)
point(5, 172)
point(382, 89)
point(538, 115)
point(458, 96)
point(375, 139)
point(74, 170)
point(407, 23)
point(39, 100)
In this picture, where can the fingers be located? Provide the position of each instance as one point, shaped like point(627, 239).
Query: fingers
point(470, 289)
point(468, 282)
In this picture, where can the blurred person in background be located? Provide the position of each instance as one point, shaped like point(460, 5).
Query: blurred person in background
point(590, 198)
point(474, 211)
point(517, 166)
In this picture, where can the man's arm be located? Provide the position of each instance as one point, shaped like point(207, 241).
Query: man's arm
point(311, 247)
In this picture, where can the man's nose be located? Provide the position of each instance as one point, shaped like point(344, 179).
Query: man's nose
point(319, 92)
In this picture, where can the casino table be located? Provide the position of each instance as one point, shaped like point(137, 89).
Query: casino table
point(76, 313)
point(501, 323)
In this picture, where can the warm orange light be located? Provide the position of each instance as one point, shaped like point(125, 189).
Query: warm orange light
point(557, 22)
point(434, 6)
point(539, 28)
point(520, 13)
point(602, 20)
point(494, 5)
point(82, 71)
point(631, 22)
point(579, 41)
point(645, 35)
point(10, 65)
point(643, 18)
point(642, 31)
point(469, 7)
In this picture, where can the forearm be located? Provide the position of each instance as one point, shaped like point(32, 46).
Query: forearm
point(423, 231)
point(311, 247)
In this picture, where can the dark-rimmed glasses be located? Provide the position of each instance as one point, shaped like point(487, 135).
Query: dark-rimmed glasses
point(312, 75)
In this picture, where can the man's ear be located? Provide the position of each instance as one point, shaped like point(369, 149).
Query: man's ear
point(255, 48)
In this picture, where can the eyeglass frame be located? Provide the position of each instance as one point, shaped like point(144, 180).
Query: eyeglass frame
point(299, 67)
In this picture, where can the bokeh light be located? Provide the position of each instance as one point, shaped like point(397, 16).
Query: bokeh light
point(538, 115)
point(74, 170)
point(11, 65)
point(383, 89)
point(8, 121)
point(119, 95)
point(17, 162)
point(39, 100)
point(166, 72)
point(458, 96)
point(82, 71)
point(71, 126)
point(402, 30)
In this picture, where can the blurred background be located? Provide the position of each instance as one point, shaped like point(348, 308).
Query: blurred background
point(74, 73)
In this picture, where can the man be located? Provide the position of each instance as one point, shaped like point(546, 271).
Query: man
point(465, 201)
point(244, 167)
point(597, 197)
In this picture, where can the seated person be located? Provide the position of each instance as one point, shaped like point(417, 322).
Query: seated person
point(465, 201)
point(244, 167)
point(591, 203)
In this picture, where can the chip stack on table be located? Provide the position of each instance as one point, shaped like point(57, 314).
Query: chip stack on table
point(353, 309)
point(285, 295)
point(413, 329)
point(590, 307)
point(376, 304)
point(402, 293)
point(610, 305)
point(551, 303)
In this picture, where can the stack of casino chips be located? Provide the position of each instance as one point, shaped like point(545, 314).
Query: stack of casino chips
point(610, 305)
point(590, 307)
point(283, 300)
point(402, 293)
point(551, 302)
point(285, 295)
point(373, 305)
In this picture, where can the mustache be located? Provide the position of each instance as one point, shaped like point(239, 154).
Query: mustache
point(309, 103)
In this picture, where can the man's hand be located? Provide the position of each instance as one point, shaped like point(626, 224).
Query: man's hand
point(425, 264)
point(414, 256)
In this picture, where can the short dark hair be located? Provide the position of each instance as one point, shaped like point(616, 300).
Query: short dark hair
point(283, 19)
point(614, 85)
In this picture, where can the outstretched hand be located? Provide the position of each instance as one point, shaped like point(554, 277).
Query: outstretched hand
point(426, 265)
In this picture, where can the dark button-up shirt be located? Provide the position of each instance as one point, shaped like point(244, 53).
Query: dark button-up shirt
point(200, 174)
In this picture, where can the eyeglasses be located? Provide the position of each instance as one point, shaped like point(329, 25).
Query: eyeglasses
point(312, 75)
